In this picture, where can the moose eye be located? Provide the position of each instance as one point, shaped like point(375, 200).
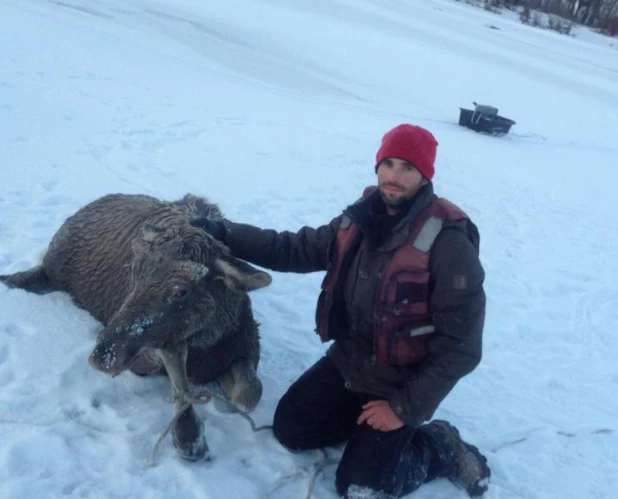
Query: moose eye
point(180, 293)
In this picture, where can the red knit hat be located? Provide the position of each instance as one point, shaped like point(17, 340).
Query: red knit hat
point(411, 143)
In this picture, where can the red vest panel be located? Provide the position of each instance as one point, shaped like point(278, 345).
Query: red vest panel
point(403, 324)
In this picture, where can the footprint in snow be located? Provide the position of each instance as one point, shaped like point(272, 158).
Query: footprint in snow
point(15, 330)
point(4, 354)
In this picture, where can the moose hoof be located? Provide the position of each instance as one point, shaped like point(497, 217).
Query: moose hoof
point(188, 437)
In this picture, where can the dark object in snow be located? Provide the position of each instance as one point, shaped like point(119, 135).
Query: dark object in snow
point(171, 299)
point(485, 119)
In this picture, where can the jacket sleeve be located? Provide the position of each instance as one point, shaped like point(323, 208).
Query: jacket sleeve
point(457, 303)
point(302, 251)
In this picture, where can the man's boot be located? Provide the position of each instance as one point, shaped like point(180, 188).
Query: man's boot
point(466, 467)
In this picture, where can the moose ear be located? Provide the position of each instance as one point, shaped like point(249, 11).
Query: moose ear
point(240, 275)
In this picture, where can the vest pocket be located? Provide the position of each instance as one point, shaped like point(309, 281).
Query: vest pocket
point(407, 294)
point(405, 349)
point(404, 327)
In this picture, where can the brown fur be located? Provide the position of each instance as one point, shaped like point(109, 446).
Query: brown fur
point(168, 295)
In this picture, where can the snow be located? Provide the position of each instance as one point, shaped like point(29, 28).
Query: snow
point(274, 110)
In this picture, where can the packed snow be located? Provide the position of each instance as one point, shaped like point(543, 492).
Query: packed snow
point(274, 110)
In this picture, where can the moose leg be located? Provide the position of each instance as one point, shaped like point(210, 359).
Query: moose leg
point(188, 432)
point(241, 385)
point(34, 280)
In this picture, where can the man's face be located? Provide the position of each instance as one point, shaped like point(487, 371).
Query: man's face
point(398, 181)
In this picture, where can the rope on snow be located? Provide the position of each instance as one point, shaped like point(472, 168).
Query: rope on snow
point(204, 397)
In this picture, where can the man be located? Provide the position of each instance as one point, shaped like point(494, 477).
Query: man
point(403, 301)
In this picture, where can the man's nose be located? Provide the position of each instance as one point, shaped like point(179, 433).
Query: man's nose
point(394, 174)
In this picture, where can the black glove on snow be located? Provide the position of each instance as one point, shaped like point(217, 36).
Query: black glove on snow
point(212, 227)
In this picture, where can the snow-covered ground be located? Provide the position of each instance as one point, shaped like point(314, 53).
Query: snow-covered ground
point(274, 109)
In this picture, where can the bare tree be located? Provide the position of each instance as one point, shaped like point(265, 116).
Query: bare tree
point(599, 14)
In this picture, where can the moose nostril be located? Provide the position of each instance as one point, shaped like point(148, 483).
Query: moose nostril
point(103, 358)
point(94, 362)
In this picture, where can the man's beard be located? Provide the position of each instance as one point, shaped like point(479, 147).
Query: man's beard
point(395, 202)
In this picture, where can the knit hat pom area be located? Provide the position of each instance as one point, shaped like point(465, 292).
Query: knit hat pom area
point(411, 143)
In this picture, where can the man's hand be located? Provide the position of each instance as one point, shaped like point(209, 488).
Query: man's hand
point(379, 415)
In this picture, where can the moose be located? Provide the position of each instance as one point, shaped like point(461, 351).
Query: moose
point(171, 298)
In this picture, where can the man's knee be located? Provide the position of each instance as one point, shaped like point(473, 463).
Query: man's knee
point(317, 410)
point(342, 483)
point(357, 484)
point(352, 471)
point(350, 486)
point(379, 462)
point(286, 424)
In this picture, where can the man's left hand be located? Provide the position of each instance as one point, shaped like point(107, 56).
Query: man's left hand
point(379, 415)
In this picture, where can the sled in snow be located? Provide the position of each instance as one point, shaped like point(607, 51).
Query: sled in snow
point(485, 119)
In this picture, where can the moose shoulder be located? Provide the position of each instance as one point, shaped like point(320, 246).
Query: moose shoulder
point(171, 299)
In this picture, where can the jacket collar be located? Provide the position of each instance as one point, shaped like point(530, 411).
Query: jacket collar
point(364, 211)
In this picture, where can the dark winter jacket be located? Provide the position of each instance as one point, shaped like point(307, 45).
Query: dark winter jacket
point(414, 391)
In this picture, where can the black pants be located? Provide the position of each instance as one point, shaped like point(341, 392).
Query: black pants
point(318, 411)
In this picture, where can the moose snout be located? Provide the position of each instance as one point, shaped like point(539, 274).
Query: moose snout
point(112, 358)
point(106, 358)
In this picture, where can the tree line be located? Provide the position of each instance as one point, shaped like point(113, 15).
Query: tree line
point(601, 15)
